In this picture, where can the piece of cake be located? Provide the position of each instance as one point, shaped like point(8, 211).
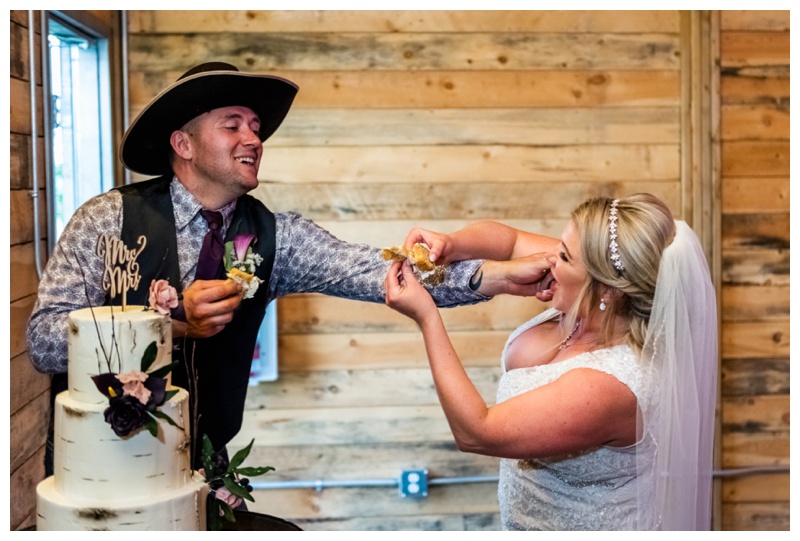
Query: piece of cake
point(102, 481)
point(419, 257)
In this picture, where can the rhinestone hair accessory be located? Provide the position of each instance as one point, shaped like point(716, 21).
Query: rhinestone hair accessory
point(612, 229)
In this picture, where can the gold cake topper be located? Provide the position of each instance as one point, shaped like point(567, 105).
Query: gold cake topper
point(121, 271)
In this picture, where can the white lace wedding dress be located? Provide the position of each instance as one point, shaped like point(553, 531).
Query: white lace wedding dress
point(592, 490)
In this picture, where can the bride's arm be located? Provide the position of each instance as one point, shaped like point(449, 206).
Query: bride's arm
point(582, 409)
point(481, 240)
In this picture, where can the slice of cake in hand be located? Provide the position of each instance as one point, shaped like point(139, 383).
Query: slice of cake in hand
point(419, 257)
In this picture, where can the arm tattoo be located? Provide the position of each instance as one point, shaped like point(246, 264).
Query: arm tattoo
point(475, 281)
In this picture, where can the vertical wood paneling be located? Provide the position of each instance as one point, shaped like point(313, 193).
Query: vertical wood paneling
point(30, 391)
point(29, 429)
point(23, 485)
point(26, 377)
point(754, 121)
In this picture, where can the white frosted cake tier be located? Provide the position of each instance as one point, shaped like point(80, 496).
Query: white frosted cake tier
point(93, 464)
point(180, 509)
point(124, 343)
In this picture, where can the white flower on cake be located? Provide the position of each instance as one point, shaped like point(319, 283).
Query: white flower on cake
point(241, 262)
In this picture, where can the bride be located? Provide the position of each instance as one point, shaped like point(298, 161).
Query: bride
point(604, 412)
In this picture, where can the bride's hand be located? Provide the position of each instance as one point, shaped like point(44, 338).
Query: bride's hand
point(438, 244)
point(405, 294)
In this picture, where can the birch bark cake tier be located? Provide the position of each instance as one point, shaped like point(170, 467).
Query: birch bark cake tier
point(102, 481)
point(133, 331)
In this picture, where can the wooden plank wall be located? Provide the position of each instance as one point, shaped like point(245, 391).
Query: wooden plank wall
point(30, 391)
point(754, 127)
point(430, 118)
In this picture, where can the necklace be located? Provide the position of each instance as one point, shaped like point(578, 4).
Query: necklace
point(564, 344)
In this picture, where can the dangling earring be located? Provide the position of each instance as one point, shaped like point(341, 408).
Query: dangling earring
point(603, 304)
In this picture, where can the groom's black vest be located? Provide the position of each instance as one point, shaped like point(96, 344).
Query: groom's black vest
point(215, 370)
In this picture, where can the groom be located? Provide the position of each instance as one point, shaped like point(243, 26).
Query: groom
point(202, 138)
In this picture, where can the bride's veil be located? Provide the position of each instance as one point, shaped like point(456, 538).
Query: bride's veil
point(680, 361)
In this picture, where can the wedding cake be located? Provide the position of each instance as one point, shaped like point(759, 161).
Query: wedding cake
point(103, 481)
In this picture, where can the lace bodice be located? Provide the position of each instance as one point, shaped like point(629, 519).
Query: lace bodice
point(592, 490)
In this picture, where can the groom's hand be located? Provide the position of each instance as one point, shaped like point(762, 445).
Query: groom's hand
point(209, 306)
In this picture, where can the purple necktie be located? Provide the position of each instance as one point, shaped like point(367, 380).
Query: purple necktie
point(211, 253)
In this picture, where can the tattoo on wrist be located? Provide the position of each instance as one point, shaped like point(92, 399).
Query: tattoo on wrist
point(475, 281)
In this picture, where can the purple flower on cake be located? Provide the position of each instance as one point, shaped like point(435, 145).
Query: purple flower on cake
point(135, 396)
point(241, 262)
point(162, 296)
point(125, 414)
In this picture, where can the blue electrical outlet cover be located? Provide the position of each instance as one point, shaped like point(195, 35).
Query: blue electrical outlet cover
point(414, 483)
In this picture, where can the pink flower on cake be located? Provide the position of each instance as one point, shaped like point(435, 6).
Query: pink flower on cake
point(133, 385)
point(133, 375)
point(162, 296)
point(223, 494)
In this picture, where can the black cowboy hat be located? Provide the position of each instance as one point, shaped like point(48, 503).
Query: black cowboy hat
point(145, 146)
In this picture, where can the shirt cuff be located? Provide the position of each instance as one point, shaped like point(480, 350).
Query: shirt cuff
point(179, 312)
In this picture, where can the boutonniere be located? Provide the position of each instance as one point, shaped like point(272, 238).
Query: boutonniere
point(241, 262)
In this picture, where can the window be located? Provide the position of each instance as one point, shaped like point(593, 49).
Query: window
point(78, 110)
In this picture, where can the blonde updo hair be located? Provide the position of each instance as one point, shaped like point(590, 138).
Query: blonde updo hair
point(645, 227)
